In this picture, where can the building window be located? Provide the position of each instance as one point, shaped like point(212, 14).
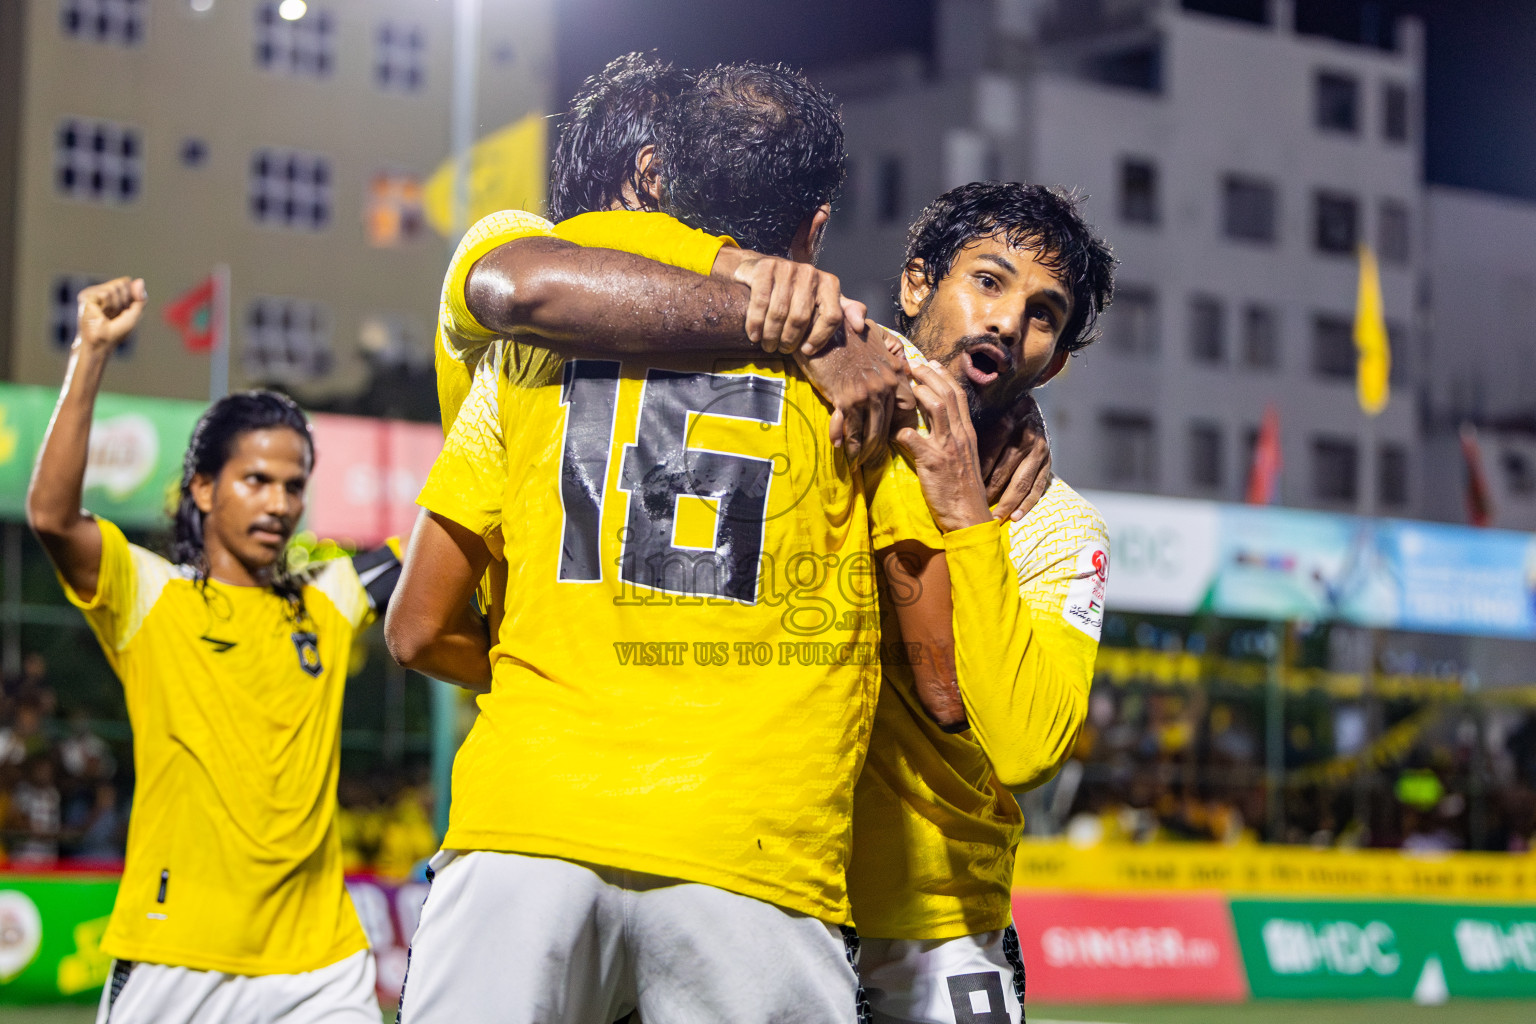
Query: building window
point(303, 47)
point(1337, 222)
point(1397, 344)
point(98, 161)
point(1392, 231)
point(1207, 330)
point(1335, 462)
point(286, 340)
point(1248, 209)
point(1394, 112)
point(290, 189)
point(194, 152)
point(1131, 326)
point(1138, 191)
point(1519, 472)
point(64, 312)
point(395, 214)
point(1338, 102)
point(400, 57)
point(1261, 338)
point(1206, 469)
point(1130, 450)
point(104, 21)
point(1392, 476)
point(889, 201)
point(1333, 347)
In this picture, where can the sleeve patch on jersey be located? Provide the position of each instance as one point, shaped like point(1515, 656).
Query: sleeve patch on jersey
point(1084, 607)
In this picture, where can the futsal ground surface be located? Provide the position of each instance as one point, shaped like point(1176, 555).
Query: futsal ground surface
point(1457, 1012)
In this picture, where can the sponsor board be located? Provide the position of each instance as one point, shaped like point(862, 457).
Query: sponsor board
point(1081, 948)
point(50, 937)
point(1363, 950)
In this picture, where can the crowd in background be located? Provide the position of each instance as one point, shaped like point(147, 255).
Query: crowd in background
point(1190, 764)
point(65, 791)
point(60, 791)
point(1153, 763)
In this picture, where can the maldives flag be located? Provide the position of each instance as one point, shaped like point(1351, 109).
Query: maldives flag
point(194, 314)
point(1264, 474)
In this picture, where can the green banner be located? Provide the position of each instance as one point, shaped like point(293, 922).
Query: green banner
point(1374, 950)
point(50, 937)
point(135, 458)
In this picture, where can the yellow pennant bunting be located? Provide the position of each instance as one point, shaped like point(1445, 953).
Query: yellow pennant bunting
point(508, 171)
point(1373, 352)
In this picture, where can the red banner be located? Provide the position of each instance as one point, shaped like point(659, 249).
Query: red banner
point(1100, 949)
point(367, 475)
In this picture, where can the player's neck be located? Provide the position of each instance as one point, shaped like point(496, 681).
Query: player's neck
point(224, 567)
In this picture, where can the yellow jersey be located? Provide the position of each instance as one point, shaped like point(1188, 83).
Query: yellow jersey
point(935, 819)
point(234, 858)
point(685, 673)
point(462, 340)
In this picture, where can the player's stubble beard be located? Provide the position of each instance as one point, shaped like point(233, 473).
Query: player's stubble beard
point(986, 409)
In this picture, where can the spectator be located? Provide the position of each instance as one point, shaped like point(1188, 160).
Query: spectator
point(35, 818)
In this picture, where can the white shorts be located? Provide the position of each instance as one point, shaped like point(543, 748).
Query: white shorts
point(139, 993)
point(511, 939)
point(975, 979)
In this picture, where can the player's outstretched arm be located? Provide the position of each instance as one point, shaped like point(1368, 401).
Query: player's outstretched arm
point(431, 626)
point(107, 313)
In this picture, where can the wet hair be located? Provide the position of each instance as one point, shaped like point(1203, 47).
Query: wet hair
point(1035, 217)
point(213, 442)
point(750, 151)
point(610, 118)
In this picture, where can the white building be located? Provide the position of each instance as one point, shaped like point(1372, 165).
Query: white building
point(161, 137)
point(1481, 352)
point(1234, 166)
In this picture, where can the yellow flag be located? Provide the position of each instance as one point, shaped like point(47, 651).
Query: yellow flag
point(1374, 354)
point(508, 171)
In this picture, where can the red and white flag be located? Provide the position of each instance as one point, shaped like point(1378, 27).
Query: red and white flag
point(195, 315)
point(1479, 498)
point(1264, 474)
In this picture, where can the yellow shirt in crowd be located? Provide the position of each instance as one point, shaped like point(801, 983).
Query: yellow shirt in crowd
point(686, 669)
point(234, 860)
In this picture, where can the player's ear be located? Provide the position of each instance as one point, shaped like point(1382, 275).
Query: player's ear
point(807, 242)
point(647, 177)
point(1052, 368)
point(915, 288)
point(202, 492)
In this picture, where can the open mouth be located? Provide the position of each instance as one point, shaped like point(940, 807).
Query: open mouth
point(985, 363)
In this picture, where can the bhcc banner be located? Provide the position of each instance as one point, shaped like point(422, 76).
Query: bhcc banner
point(1378, 950)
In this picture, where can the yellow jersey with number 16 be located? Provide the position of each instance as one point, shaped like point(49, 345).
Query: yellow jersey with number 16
point(685, 673)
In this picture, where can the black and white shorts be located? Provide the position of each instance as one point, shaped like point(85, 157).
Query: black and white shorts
point(973, 979)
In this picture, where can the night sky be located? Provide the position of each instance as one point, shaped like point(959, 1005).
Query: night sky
point(1480, 105)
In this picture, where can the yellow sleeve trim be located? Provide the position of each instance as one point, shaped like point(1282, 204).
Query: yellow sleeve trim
point(489, 232)
point(656, 236)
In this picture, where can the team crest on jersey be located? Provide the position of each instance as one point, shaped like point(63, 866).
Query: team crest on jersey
point(1084, 607)
point(308, 646)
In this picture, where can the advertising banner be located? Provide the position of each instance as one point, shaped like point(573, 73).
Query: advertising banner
point(51, 928)
point(1185, 557)
point(1089, 949)
point(50, 936)
point(134, 465)
point(367, 475)
point(1345, 949)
